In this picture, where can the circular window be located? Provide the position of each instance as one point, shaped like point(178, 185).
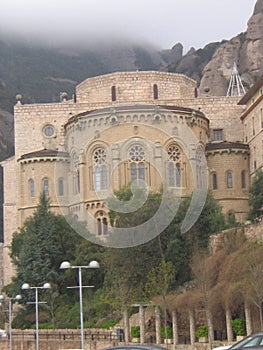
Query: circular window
point(49, 130)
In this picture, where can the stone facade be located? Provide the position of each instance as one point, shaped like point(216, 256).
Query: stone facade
point(118, 128)
point(252, 120)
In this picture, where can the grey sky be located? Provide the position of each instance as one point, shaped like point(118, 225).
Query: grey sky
point(163, 23)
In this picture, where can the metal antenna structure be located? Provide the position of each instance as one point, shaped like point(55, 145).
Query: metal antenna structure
point(235, 87)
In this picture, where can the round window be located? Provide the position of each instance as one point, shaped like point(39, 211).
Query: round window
point(49, 130)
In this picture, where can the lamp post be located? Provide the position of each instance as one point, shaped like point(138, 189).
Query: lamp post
point(92, 265)
point(26, 286)
point(16, 298)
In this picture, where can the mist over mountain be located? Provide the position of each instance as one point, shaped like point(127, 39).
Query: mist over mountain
point(40, 72)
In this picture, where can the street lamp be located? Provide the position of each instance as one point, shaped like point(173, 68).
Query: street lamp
point(26, 286)
point(16, 298)
point(92, 265)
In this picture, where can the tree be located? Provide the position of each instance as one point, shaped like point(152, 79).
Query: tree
point(158, 282)
point(256, 198)
point(38, 248)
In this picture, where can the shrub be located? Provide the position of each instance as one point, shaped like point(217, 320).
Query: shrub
point(202, 332)
point(239, 326)
point(135, 331)
point(168, 334)
point(107, 324)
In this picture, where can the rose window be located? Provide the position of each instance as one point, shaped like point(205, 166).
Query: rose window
point(136, 154)
point(174, 153)
point(99, 156)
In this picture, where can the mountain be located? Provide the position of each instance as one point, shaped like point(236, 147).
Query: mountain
point(41, 73)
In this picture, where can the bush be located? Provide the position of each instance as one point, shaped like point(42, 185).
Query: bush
point(168, 334)
point(239, 326)
point(202, 332)
point(107, 324)
point(135, 331)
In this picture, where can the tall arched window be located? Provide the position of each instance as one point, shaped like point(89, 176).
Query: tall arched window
point(102, 223)
point(174, 165)
point(229, 179)
point(137, 163)
point(100, 169)
point(155, 92)
point(60, 187)
point(31, 184)
point(113, 93)
point(243, 179)
point(46, 186)
point(214, 181)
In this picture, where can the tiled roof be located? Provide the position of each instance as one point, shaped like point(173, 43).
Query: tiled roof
point(44, 153)
point(226, 145)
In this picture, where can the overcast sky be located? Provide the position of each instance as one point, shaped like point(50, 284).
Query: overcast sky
point(194, 23)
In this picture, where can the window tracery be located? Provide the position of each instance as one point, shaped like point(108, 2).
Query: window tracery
point(99, 158)
point(174, 157)
point(136, 156)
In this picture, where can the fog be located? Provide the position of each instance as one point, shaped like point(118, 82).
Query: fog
point(161, 23)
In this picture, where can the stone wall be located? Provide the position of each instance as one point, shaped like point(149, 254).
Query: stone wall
point(70, 339)
point(254, 232)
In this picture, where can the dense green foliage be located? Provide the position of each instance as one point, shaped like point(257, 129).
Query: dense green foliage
point(202, 331)
point(256, 197)
point(126, 275)
point(239, 326)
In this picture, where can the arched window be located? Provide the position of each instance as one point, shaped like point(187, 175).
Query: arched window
point(100, 169)
point(229, 179)
point(155, 92)
point(243, 179)
point(174, 165)
point(105, 226)
point(137, 163)
point(99, 226)
point(60, 187)
point(31, 188)
point(45, 186)
point(102, 223)
point(214, 181)
point(113, 93)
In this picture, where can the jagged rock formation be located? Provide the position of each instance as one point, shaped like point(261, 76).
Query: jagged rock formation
point(246, 49)
point(40, 73)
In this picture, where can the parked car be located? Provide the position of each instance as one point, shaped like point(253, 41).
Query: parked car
point(251, 342)
point(2, 333)
point(136, 347)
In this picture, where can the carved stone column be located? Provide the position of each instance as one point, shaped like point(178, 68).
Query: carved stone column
point(126, 325)
point(229, 330)
point(142, 324)
point(158, 325)
point(248, 317)
point(192, 326)
point(175, 327)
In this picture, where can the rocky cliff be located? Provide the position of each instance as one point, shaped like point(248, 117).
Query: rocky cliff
point(246, 49)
